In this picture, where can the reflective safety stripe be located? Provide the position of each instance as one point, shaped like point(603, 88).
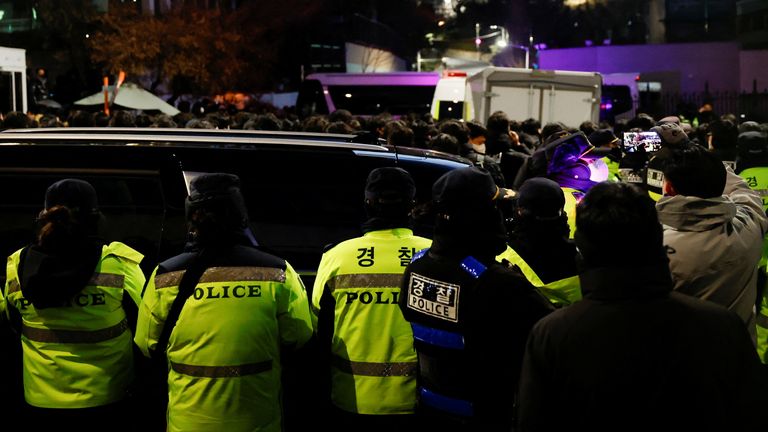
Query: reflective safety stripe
point(371, 280)
point(762, 320)
point(74, 336)
point(444, 403)
point(441, 338)
point(472, 266)
point(167, 280)
point(374, 369)
point(419, 254)
point(233, 371)
point(107, 280)
point(232, 274)
point(13, 286)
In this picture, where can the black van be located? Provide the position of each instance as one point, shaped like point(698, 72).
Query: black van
point(303, 192)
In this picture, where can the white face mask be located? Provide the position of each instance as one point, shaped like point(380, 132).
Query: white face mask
point(479, 148)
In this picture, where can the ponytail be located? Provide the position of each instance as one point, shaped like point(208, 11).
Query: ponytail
point(58, 227)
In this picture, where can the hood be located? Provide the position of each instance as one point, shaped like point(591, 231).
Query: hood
point(51, 279)
point(687, 213)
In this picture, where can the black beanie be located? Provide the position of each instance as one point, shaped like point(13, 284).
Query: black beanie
point(389, 185)
point(217, 192)
point(76, 195)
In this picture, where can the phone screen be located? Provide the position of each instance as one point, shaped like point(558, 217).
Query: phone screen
point(647, 142)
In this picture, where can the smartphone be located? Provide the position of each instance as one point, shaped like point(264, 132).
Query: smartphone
point(647, 142)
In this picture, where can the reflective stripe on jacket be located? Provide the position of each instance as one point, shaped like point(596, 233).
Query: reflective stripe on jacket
point(373, 360)
point(80, 355)
point(572, 198)
point(561, 292)
point(224, 351)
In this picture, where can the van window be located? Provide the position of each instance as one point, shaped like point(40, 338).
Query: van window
point(132, 205)
point(299, 200)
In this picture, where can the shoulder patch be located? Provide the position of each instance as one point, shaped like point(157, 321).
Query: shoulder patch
point(433, 297)
point(123, 251)
point(420, 254)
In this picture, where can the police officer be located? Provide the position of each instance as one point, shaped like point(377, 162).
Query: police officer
point(752, 166)
point(539, 244)
point(355, 295)
point(74, 300)
point(221, 311)
point(470, 315)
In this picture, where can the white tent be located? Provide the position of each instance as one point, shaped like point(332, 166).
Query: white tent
point(132, 96)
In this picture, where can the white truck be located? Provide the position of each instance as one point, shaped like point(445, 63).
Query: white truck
point(13, 80)
point(545, 95)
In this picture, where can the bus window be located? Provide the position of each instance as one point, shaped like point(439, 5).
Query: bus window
point(368, 94)
point(376, 99)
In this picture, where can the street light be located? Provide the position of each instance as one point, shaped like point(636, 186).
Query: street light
point(502, 42)
point(477, 39)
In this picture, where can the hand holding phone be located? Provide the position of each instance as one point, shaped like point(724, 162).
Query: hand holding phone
point(641, 142)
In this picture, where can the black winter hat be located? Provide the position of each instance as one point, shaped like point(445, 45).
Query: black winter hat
point(74, 194)
point(602, 137)
point(541, 198)
point(216, 191)
point(464, 190)
point(752, 144)
point(389, 185)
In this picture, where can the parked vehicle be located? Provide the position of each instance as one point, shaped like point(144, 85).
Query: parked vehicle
point(13, 80)
point(547, 96)
point(302, 193)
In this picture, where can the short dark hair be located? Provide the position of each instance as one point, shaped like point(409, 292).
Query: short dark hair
point(553, 128)
point(456, 129)
point(615, 215)
point(476, 129)
point(498, 123)
point(694, 171)
point(531, 126)
point(444, 143)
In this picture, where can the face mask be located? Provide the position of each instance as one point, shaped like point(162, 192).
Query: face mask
point(479, 148)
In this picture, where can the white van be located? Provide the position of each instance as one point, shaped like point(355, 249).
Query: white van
point(450, 96)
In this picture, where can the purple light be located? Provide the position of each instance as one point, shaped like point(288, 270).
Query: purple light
point(477, 41)
point(606, 41)
point(588, 42)
point(541, 46)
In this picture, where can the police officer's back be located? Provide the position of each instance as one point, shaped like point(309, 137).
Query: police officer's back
point(539, 244)
point(241, 307)
point(74, 298)
point(373, 363)
point(470, 314)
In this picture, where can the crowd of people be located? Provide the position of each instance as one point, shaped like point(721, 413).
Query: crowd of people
point(570, 282)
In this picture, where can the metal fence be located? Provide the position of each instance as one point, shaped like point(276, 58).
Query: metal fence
point(746, 106)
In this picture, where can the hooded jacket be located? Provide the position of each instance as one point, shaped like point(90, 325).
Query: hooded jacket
point(714, 245)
